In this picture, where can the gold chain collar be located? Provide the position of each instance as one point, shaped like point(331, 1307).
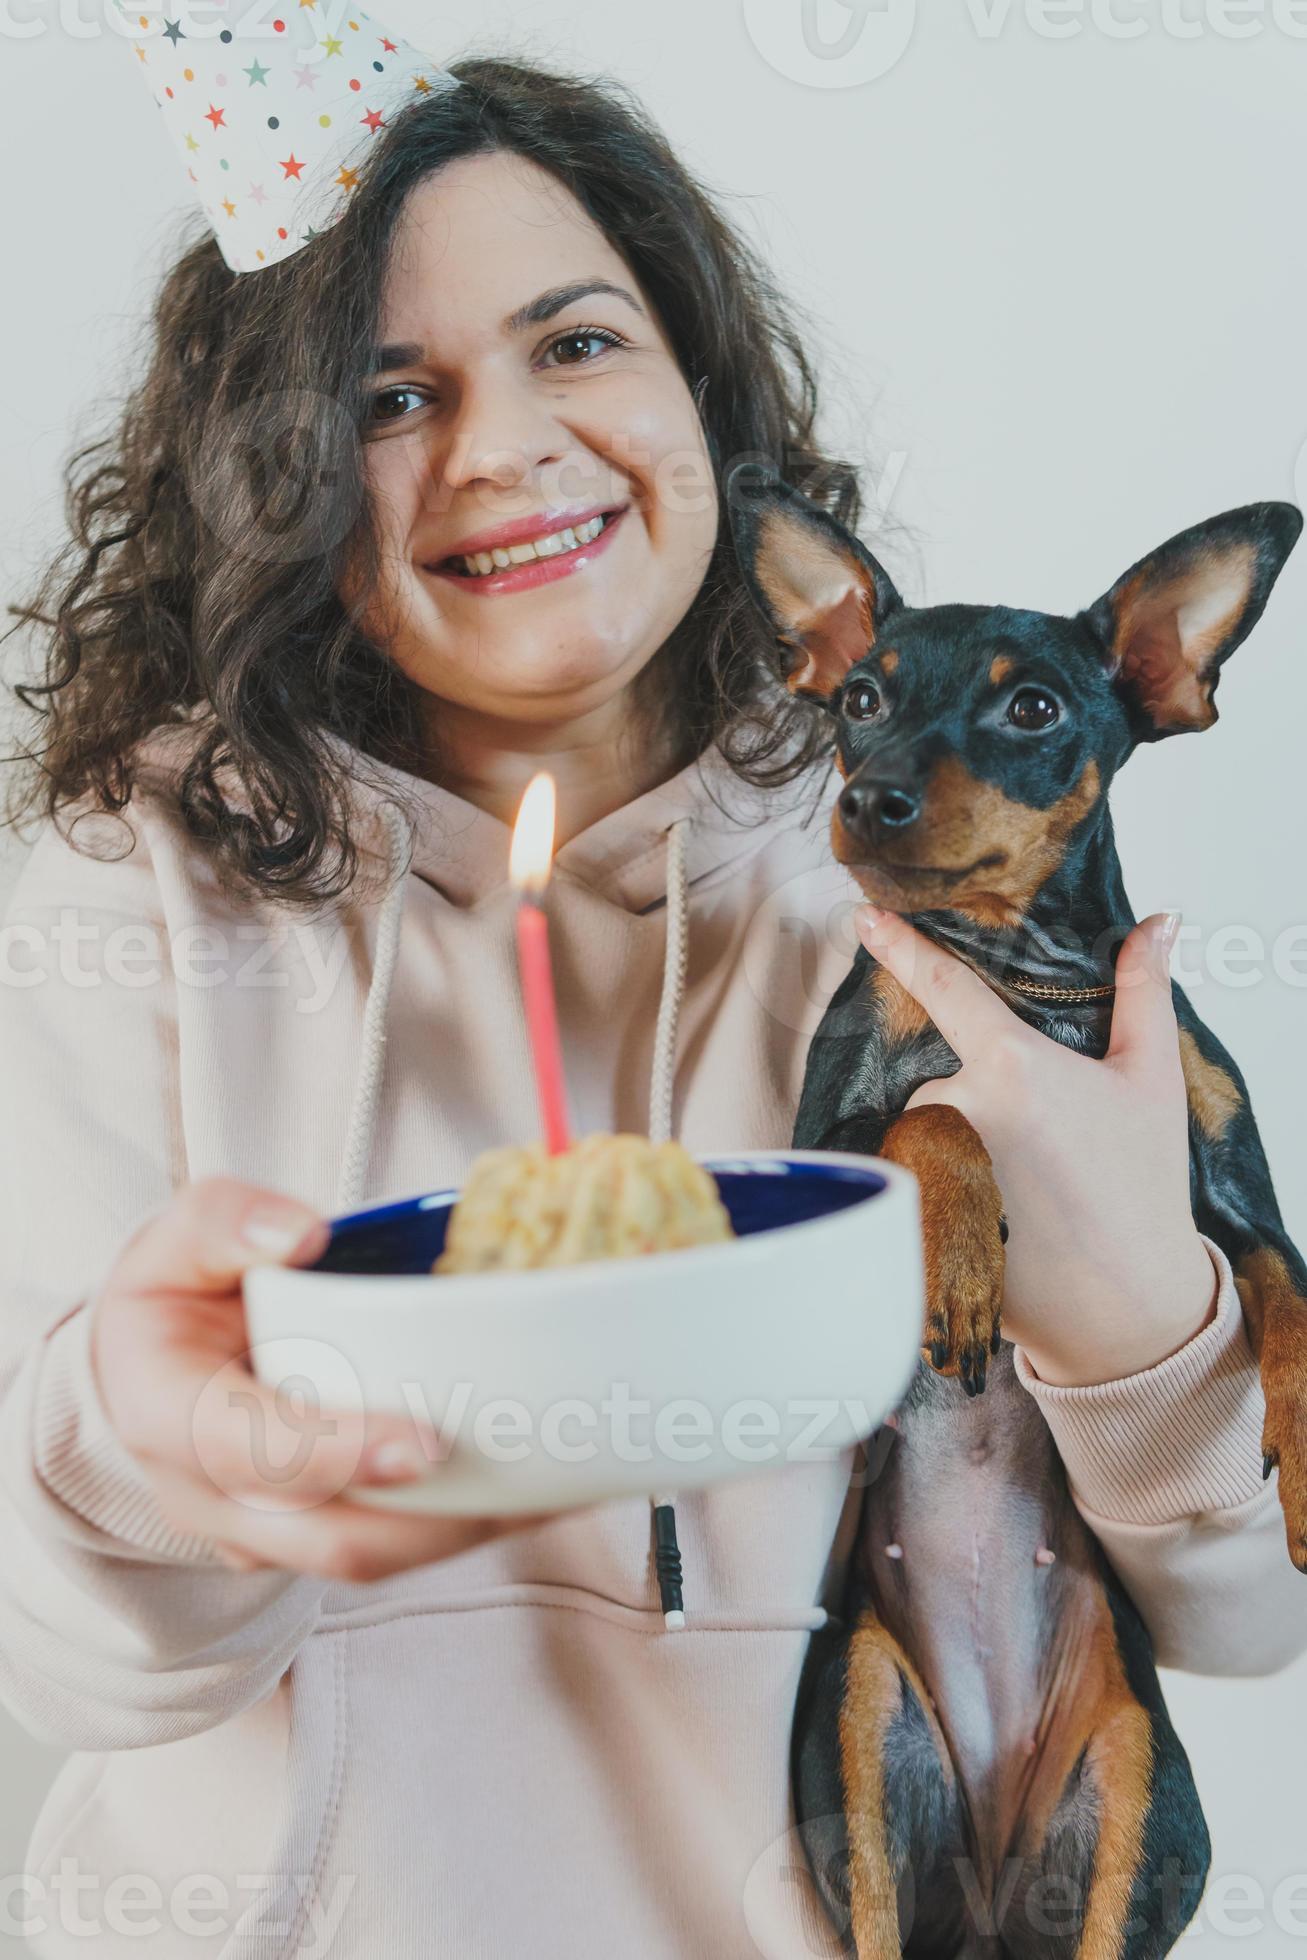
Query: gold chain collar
point(1040, 991)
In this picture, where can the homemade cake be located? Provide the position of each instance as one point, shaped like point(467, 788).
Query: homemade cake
point(607, 1197)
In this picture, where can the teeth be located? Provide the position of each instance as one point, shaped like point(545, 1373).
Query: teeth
point(568, 539)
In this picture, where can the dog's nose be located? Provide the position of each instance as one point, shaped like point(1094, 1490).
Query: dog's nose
point(888, 804)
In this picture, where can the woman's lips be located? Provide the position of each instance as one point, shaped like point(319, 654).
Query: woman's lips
point(536, 571)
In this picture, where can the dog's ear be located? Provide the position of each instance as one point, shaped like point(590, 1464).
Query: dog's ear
point(1168, 623)
point(817, 586)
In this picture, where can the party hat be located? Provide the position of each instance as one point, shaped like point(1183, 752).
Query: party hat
point(273, 114)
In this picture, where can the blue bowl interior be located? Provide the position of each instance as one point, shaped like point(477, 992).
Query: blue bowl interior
point(408, 1236)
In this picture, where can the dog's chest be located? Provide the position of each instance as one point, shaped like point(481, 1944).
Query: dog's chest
point(976, 1560)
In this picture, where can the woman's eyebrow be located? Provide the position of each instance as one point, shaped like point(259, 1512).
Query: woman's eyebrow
point(410, 353)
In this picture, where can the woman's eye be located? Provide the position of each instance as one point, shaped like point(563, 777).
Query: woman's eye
point(578, 336)
point(861, 701)
point(1031, 709)
point(574, 343)
point(388, 394)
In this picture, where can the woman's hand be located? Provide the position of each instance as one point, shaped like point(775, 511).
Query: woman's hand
point(1106, 1273)
point(224, 1454)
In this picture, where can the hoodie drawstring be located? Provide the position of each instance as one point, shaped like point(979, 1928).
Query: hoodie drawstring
point(367, 1090)
point(667, 1556)
point(669, 1007)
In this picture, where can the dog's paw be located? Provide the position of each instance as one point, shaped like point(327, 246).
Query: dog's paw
point(1284, 1432)
point(964, 1296)
point(963, 1231)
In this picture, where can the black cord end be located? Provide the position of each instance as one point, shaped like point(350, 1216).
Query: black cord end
point(667, 1563)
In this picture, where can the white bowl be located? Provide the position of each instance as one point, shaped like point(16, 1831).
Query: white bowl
point(572, 1385)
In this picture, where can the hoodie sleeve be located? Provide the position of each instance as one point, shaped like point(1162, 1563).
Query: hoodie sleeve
point(1165, 1468)
point(116, 1629)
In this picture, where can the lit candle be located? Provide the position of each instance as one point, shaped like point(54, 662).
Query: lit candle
point(528, 868)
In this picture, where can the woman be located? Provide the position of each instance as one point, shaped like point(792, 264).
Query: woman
point(373, 1733)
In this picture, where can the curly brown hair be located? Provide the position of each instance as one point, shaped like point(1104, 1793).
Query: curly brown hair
point(197, 584)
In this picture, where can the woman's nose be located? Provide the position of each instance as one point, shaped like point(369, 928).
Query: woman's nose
point(500, 434)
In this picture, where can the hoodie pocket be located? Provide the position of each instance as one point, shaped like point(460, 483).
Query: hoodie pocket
point(292, 1912)
point(538, 1775)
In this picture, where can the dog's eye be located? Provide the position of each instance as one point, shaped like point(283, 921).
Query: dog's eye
point(1031, 709)
point(861, 701)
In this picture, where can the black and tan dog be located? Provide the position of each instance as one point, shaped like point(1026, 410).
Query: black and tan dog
point(983, 1763)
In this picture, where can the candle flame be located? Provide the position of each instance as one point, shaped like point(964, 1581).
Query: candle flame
point(532, 850)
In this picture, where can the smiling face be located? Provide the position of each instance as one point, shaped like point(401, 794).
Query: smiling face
point(525, 389)
point(974, 741)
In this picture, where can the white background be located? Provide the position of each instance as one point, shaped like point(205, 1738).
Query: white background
point(1055, 279)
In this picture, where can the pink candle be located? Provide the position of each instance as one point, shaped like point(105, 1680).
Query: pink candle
point(532, 854)
point(542, 1022)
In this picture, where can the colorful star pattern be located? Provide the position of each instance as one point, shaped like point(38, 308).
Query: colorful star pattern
point(281, 104)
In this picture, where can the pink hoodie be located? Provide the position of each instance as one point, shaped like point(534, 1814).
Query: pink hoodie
point(505, 1752)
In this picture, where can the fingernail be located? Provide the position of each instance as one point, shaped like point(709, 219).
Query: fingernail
point(276, 1232)
point(1167, 931)
point(867, 915)
point(394, 1462)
